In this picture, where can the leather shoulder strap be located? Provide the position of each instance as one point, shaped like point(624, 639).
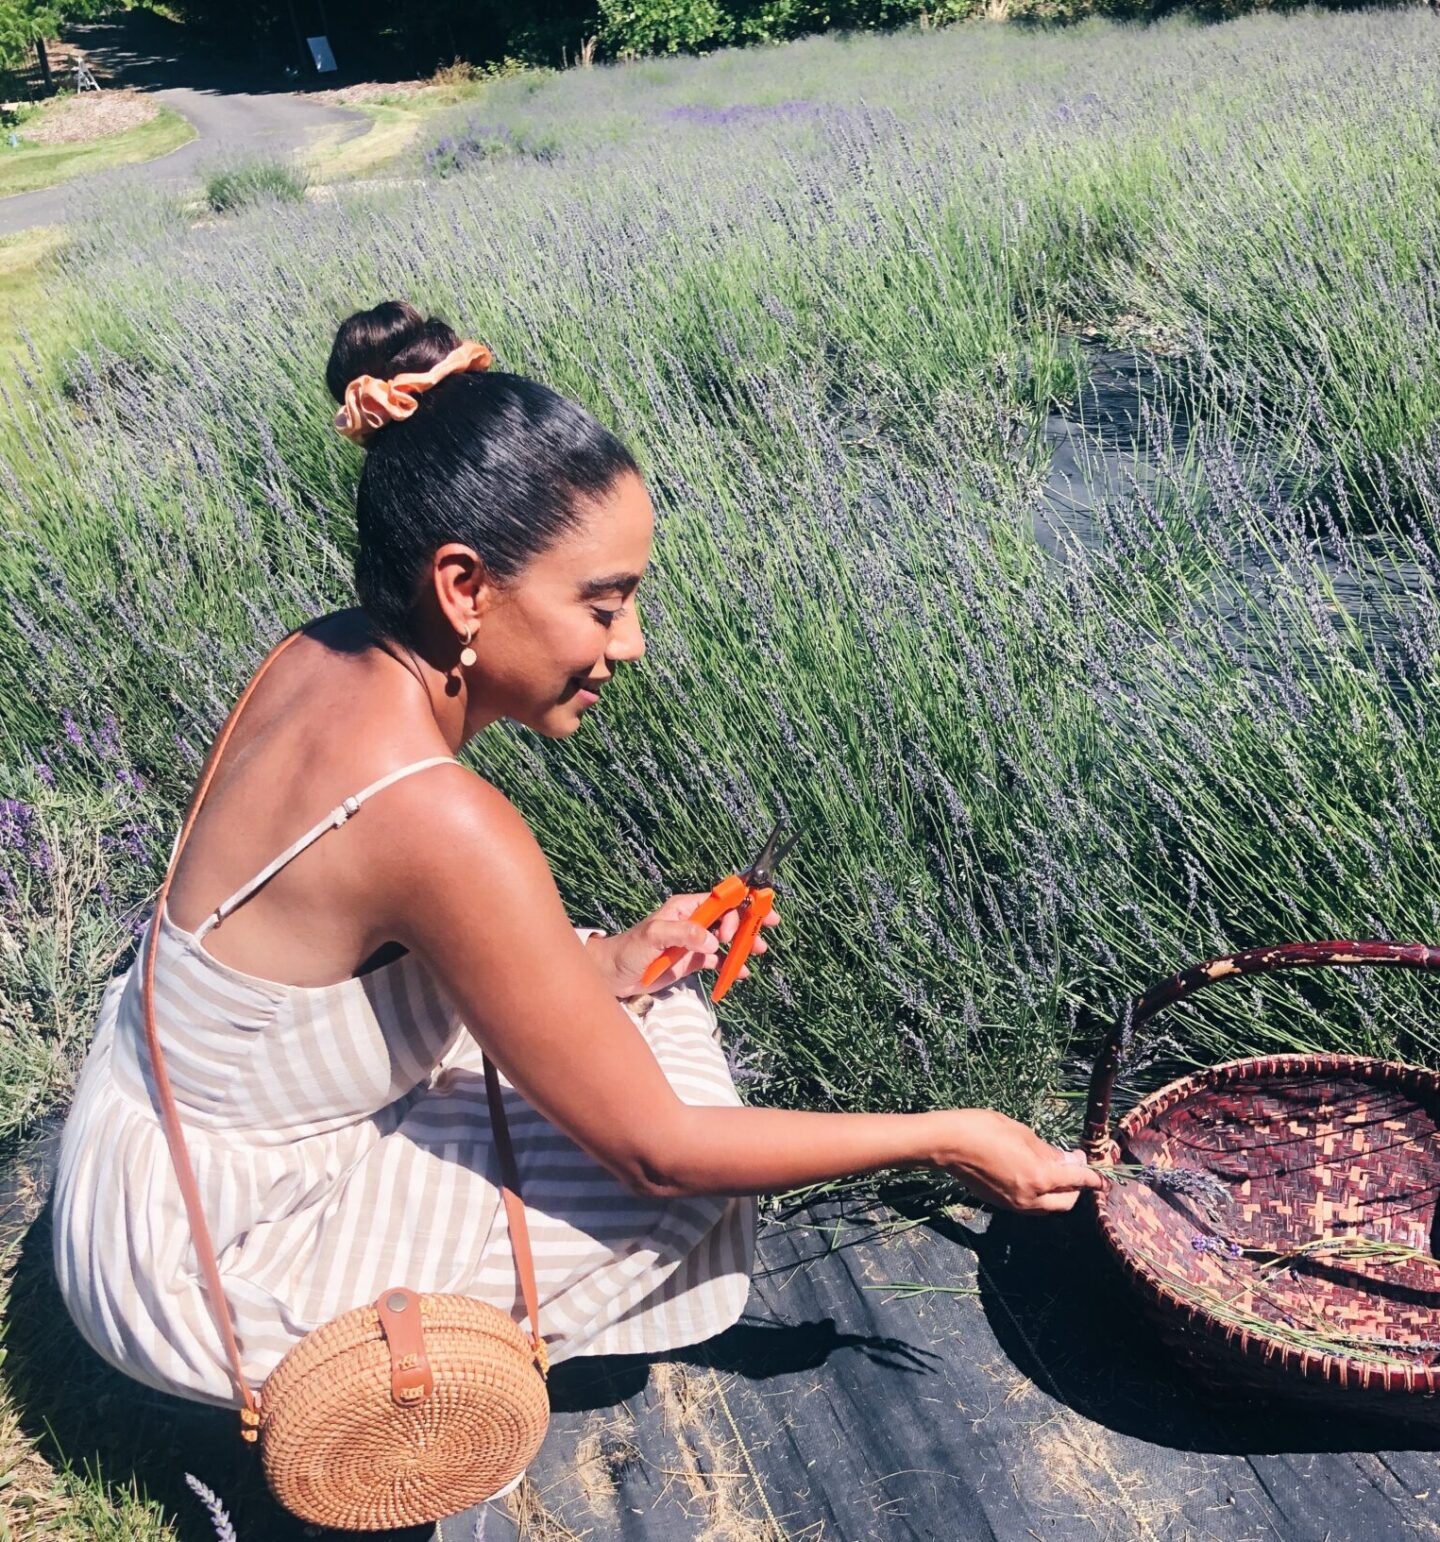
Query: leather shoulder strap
point(180, 1152)
point(515, 1212)
point(169, 1113)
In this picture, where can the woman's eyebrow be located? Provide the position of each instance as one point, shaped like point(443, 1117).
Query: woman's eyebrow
point(594, 587)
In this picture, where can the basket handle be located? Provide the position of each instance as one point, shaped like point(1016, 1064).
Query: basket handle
point(1290, 955)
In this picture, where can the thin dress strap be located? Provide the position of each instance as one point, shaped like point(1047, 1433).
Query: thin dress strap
point(333, 820)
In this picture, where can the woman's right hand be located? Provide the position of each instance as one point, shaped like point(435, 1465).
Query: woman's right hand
point(1001, 1160)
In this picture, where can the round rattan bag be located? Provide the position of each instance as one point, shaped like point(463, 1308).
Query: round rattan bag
point(361, 1431)
point(1281, 1230)
point(394, 1414)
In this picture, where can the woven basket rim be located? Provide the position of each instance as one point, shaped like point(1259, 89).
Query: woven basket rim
point(1348, 1371)
point(1253, 1067)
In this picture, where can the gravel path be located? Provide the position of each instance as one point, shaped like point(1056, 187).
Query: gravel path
point(227, 123)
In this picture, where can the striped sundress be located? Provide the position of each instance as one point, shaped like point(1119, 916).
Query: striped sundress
point(341, 1142)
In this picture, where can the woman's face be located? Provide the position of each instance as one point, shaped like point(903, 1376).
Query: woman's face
point(551, 638)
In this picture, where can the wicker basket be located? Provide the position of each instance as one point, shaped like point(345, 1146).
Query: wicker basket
point(1307, 1146)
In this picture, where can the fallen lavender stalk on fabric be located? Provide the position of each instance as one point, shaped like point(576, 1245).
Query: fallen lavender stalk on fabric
point(211, 1500)
point(1341, 1250)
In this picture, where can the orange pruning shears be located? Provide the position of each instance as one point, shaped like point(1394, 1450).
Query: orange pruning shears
point(752, 893)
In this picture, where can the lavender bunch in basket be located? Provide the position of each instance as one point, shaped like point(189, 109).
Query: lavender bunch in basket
point(1204, 1188)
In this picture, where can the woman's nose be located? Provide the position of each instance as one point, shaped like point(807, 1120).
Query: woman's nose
point(627, 641)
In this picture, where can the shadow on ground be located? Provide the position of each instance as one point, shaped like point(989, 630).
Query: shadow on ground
point(78, 1411)
point(1069, 1322)
point(142, 49)
point(889, 1381)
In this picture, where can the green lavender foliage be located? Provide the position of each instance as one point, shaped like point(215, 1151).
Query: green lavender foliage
point(829, 294)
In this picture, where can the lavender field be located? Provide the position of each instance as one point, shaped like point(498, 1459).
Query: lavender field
point(830, 293)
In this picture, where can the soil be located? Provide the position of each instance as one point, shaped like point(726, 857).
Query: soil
point(91, 115)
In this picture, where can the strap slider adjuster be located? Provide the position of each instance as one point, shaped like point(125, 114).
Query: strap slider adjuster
point(350, 806)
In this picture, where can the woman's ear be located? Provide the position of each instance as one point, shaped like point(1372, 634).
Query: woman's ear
point(464, 587)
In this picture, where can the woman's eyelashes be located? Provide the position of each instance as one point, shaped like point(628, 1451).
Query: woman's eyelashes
point(607, 617)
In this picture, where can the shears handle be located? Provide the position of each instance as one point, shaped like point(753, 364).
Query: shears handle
point(754, 913)
point(722, 899)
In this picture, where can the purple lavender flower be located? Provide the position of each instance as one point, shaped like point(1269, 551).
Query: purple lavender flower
point(105, 740)
point(1222, 1246)
point(746, 112)
point(1194, 1183)
point(224, 1530)
point(17, 821)
point(20, 834)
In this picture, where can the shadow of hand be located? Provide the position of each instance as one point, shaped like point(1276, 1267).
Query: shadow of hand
point(758, 1351)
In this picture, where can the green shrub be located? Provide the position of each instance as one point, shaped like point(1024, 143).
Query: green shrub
point(239, 184)
point(629, 28)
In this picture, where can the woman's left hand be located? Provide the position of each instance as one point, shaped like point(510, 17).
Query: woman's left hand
point(626, 956)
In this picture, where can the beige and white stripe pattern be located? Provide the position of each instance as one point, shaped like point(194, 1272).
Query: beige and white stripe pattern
point(341, 1140)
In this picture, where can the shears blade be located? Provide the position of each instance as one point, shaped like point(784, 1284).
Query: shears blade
point(761, 871)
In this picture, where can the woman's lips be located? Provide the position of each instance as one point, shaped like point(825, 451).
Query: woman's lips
point(586, 698)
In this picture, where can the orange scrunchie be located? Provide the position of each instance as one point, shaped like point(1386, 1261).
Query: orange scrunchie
point(372, 403)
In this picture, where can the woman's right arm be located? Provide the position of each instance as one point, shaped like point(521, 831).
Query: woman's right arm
point(473, 895)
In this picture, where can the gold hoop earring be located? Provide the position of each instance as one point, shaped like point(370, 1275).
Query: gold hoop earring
point(467, 653)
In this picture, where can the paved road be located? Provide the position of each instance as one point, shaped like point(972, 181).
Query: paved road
point(237, 107)
point(227, 123)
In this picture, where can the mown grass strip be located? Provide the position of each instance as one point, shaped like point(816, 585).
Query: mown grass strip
point(28, 167)
point(395, 129)
point(28, 283)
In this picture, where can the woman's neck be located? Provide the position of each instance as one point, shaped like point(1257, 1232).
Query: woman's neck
point(439, 691)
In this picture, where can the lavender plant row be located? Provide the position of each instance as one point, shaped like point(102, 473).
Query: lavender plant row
point(827, 292)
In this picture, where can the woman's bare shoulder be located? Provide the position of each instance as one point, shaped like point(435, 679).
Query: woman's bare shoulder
point(467, 852)
point(450, 830)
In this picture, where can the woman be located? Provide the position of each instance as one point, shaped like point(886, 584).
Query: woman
point(324, 1042)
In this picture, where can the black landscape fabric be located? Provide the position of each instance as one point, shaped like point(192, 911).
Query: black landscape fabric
point(1016, 1398)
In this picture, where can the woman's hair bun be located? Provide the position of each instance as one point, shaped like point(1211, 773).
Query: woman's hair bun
point(391, 338)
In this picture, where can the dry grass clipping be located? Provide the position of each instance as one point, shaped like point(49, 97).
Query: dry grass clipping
point(602, 1458)
point(712, 1467)
point(369, 91)
point(710, 1470)
point(30, 1502)
point(534, 1522)
point(1077, 1458)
